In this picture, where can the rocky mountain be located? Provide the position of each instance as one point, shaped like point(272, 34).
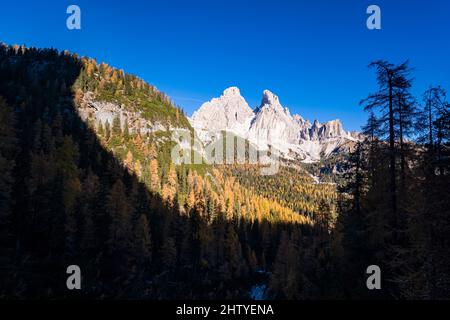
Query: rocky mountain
point(271, 124)
point(230, 112)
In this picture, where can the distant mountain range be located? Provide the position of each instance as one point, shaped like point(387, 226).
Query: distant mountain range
point(271, 124)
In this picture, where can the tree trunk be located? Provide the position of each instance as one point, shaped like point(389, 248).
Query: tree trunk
point(430, 123)
point(393, 186)
point(402, 150)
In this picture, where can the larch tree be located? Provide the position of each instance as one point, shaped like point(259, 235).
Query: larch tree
point(170, 187)
point(142, 246)
point(128, 162)
point(154, 176)
point(120, 213)
point(392, 80)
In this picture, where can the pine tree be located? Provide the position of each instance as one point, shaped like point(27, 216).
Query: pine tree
point(153, 153)
point(233, 254)
point(119, 211)
point(126, 131)
point(170, 187)
point(100, 129)
point(107, 131)
point(89, 205)
point(285, 278)
point(142, 242)
point(154, 176)
point(405, 108)
point(116, 127)
point(128, 162)
point(429, 124)
point(138, 168)
point(8, 151)
point(169, 254)
point(392, 80)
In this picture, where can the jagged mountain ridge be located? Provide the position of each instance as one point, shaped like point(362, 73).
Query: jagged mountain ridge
point(271, 124)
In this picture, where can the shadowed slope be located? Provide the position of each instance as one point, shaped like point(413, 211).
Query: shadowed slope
point(66, 200)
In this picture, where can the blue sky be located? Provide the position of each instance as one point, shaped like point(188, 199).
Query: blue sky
point(313, 54)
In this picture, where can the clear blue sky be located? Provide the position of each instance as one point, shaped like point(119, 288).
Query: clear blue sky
point(313, 54)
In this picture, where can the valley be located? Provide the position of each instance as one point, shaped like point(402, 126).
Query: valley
point(88, 178)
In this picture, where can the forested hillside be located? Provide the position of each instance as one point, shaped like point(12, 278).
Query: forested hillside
point(86, 178)
point(302, 194)
point(106, 197)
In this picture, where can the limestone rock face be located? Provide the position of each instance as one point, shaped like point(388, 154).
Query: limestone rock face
point(271, 124)
point(228, 112)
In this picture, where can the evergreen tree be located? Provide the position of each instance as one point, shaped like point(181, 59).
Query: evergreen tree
point(392, 81)
point(119, 211)
point(8, 152)
point(142, 243)
point(154, 176)
point(116, 127)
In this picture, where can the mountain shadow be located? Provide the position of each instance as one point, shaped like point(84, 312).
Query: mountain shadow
point(66, 200)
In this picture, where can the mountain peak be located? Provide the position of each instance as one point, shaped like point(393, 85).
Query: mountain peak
point(269, 124)
point(270, 98)
point(299, 119)
point(335, 122)
point(232, 91)
point(272, 102)
point(228, 112)
point(333, 129)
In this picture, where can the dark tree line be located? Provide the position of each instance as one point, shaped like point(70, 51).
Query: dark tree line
point(396, 214)
point(66, 198)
